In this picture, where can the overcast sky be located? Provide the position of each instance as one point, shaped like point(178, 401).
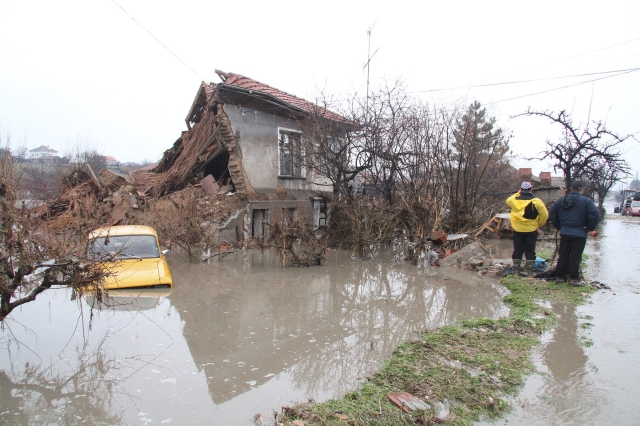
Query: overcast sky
point(120, 76)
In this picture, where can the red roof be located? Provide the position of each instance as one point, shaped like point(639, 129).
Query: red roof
point(147, 168)
point(291, 100)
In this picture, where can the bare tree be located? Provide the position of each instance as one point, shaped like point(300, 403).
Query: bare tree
point(600, 178)
point(29, 242)
point(582, 149)
point(336, 151)
point(432, 167)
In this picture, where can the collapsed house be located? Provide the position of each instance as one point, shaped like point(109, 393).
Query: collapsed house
point(244, 138)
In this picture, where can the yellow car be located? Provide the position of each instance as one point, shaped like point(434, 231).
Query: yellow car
point(131, 257)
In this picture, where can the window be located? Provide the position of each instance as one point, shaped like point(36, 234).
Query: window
point(291, 154)
point(124, 247)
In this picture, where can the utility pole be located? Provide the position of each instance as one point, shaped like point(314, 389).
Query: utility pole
point(366, 64)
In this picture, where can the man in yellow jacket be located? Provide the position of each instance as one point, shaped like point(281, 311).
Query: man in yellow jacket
point(528, 214)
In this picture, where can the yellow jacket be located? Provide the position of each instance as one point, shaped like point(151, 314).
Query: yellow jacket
point(523, 216)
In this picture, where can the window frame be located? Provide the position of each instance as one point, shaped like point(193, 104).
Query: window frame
point(298, 168)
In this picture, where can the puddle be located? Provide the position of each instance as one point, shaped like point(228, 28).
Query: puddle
point(589, 364)
point(233, 338)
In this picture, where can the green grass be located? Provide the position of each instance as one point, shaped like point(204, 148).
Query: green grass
point(473, 364)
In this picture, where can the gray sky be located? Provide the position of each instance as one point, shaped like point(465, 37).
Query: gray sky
point(76, 72)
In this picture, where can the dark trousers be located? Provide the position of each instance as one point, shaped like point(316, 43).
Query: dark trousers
point(524, 242)
point(570, 256)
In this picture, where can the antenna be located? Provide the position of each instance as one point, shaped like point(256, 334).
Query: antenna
point(366, 64)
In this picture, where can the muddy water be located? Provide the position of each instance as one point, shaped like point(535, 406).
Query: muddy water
point(241, 336)
point(234, 338)
point(589, 365)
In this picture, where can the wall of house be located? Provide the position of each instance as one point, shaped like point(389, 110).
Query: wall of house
point(241, 226)
point(548, 194)
point(257, 134)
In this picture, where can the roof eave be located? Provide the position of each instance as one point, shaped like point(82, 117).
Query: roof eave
point(240, 95)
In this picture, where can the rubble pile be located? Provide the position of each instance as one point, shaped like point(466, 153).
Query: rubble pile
point(474, 258)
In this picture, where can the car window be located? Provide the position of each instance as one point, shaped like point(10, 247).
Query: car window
point(123, 247)
point(635, 204)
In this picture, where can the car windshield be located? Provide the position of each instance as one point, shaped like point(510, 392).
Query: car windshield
point(123, 247)
point(635, 204)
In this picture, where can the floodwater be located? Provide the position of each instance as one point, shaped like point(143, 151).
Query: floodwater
point(234, 338)
point(241, 336)
point(589, 365)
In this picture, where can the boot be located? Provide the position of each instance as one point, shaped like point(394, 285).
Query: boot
point(517, 266)
point(530, 265)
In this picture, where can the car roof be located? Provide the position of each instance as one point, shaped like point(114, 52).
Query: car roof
point(123, 230)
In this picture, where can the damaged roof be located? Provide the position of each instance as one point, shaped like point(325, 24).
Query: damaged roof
point(248, 86)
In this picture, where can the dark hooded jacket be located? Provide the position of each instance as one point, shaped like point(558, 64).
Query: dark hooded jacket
point(574, 215)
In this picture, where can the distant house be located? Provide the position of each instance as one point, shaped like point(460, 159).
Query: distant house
point(546, 187)
point(42, 151)
point(110, 161)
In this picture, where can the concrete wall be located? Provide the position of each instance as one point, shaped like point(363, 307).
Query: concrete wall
point(548, 194)
point(240, 226)
point(257, 134)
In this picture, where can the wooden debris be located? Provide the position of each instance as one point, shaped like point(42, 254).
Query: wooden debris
point(111, 180)
point(93, 176)
point(497, 224)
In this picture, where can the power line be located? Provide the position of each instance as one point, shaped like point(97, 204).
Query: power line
point(605, 62)
point(156, 39)
point(577, 56)
point(531, 80)
point(619, 73)
point(563, 87)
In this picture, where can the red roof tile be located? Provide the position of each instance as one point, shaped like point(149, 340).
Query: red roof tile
point(147, 168)
point(291, 100)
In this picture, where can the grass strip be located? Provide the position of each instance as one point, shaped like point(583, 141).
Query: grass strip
point(469, 366)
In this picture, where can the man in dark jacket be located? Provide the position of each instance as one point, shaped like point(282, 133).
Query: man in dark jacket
point(576, 217)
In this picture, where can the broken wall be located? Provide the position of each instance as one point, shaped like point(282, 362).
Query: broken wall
point(257, 134)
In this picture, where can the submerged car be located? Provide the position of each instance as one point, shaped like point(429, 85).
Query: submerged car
point(131, 257)
point(634, 209)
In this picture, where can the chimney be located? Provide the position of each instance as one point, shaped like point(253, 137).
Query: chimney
point(524, 174)
point(545, 178)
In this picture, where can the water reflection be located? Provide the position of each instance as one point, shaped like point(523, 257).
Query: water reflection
point(129, 300)
point(563, 354)
point(324, 327)
point(32, 394)
point(595, 384)
point(235, 337)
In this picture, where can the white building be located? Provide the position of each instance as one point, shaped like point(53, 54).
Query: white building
point(42, 151)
